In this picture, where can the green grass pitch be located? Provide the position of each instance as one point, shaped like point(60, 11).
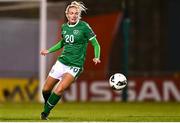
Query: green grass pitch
point(93, 111)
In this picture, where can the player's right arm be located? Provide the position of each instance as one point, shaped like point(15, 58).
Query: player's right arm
point(54, 48)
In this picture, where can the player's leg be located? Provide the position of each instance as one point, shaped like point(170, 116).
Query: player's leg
point(52, 79)
point(66, 81)
point(68, 75)
point(48, 86)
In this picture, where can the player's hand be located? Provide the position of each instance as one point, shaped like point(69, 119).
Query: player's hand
point(96, 61)
point(44, 52)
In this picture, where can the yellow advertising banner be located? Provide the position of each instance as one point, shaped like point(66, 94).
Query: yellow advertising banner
point(19, 89)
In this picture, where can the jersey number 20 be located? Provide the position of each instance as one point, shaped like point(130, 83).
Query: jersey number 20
point(69, 38)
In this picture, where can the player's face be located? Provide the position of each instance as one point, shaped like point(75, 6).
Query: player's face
point(73, 15)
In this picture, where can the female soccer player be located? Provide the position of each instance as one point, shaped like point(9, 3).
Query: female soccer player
point(76, 35)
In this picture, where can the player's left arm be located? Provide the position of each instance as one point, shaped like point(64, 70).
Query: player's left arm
point(97, 50)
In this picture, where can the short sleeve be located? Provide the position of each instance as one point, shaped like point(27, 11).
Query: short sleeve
point(89, 33)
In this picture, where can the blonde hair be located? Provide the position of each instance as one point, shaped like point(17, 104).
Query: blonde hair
point(79, 5)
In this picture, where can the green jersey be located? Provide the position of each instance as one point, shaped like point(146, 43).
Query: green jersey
point(75, 41)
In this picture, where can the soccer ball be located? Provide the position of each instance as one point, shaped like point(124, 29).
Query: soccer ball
point(117, 81)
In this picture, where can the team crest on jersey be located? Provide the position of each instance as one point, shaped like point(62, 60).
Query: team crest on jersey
point(75, 32)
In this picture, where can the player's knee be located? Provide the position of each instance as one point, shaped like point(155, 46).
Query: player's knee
point(47, 87)
point(59, 90)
